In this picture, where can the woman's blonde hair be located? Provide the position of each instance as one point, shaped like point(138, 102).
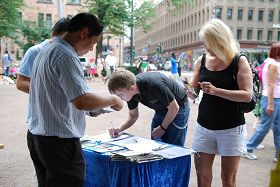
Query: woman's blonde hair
point(218, 37)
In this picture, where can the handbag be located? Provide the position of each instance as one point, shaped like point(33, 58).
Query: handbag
point(243, 107)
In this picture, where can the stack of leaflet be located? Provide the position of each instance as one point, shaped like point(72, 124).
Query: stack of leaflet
point(139, 150)
point(90, 143)
point(137, 158)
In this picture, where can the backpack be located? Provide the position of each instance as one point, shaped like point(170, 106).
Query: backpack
point(243, 107)
point(260, 70)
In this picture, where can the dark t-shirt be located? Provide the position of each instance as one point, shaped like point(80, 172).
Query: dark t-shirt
point(156, 92)
point(216, 113)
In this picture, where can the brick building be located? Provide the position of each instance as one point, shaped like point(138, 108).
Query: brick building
point(255, 24)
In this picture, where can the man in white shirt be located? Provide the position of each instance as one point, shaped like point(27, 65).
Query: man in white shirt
point(111, 61)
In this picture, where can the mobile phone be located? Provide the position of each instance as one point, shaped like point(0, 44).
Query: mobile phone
point(191, 90)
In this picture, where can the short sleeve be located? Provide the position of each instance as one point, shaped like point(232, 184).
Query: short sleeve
point(26, 65)
point(71, 78)
point(133, 103)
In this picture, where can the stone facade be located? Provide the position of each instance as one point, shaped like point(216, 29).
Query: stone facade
point(255, 24)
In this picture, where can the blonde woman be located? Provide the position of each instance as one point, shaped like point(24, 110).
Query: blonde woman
point(220, 128)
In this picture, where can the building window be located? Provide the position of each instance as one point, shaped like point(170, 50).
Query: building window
point(279, 16)
point(269, 35)
point(239, 14)
point(270, 15)
point(260, 16)
point(250, 15)
point(229, 13)
point(40, 19)
point(49, 21)
point(239, 34)
point(249, 34)
point(278, 36)
point(260, 33)
point(218, 13)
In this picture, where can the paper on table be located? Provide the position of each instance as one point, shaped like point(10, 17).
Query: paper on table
point(174, 152)
point(127, 153)
point(129, 140)
point(138, 144)
point(102, 148)
point(105, 137)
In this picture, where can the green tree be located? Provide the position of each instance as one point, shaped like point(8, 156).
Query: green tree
point(31, 35)
point(9, 10)
point(116, 14)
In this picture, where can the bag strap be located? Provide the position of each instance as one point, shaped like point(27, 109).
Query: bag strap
point(203, 61)
point(235, 62)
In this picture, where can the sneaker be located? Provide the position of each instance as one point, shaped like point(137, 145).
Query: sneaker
point(260, 147)
point(251, 156)
point(275, 159)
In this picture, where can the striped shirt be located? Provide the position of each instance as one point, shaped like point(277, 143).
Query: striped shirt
point(28, 61)
point(57, 79)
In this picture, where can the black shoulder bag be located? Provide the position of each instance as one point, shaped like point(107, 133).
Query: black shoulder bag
point(243, 107)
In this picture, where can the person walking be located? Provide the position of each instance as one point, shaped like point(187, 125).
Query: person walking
point(220, 129)
point(270, 104)
point(158, 92)
point(6, 63)
point(58, 98)
point(111, 61)
point(100, 66)
point(179, 68)
point(174, 65)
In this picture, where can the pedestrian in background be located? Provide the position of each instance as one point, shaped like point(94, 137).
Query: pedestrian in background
point(220, 128)
point(179, 68)
point(158, 92)
point(100, 66)
point(270, 104)
point(92, 70)
point(6, 63)
point(111, 61)
point(174, 66)
point(58, 99)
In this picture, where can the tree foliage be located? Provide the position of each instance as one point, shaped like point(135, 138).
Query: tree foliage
point(9, 10)
point(31, 35)
point(116, 14)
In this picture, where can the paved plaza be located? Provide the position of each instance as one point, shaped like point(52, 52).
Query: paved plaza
point(16, 169)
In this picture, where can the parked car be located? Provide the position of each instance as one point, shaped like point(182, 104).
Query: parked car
point(84, 61)
point(167, 65)
point(85, 66)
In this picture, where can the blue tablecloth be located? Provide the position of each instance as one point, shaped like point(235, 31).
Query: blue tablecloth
point(102, 172)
